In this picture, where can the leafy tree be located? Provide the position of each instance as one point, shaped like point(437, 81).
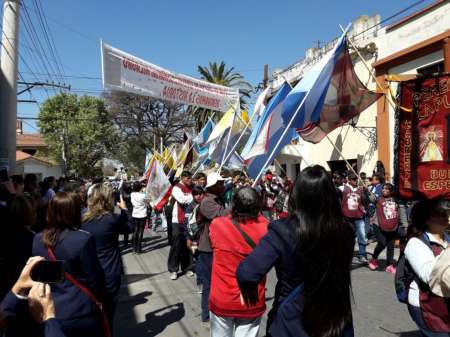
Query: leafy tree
point(218, 73)
point(143, 122)
point(77, 129)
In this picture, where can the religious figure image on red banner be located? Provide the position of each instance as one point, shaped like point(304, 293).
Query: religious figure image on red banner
point(422, 138)
point(431, 144)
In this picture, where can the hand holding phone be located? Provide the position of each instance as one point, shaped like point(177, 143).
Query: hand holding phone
point(48, 272)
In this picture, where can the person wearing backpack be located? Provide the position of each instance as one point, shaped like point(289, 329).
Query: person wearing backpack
point(232, 239)
point(386, 229)
point(430, 220)
point(354, 211)
point(312, 252)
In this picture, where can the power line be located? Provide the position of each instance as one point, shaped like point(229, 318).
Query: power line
point(48, 37)
point(73, 76)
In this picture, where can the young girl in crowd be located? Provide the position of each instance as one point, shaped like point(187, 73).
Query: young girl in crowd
point(386, 229)
point(139, 215)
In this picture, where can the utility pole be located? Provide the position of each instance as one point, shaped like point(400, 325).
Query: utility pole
point(266, 76)
point(8, 84)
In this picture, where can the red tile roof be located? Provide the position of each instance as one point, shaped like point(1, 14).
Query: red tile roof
point(21, 156)
point(30, 140)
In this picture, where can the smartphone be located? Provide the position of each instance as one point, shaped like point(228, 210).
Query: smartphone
point(48, 272)
point(4, 175)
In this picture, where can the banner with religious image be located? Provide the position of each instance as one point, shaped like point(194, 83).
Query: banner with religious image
point(422, 165)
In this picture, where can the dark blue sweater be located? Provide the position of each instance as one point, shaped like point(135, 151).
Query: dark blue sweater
point(15, 311)
point(105, 231)
point(278, 249)
point(77, 249)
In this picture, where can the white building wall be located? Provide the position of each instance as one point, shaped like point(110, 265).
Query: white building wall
point(38, 168)
point(412, 32)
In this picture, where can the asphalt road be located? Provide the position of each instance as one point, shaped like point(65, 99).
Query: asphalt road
point(151, 304)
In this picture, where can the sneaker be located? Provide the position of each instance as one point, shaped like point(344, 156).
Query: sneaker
point(205, 324)
point(190, 273)
point(373, 264)
point(362, 259)
point(391, 269)
point(173, 276)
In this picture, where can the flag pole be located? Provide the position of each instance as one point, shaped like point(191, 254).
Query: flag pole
point(247, 125)
point(228, 141)
point(389, 99)
point(281, 138)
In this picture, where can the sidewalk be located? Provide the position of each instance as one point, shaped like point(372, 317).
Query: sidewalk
point(151, 304)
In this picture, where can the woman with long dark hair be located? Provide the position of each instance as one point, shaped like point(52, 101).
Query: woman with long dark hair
point(312, 251)
point(78, 314)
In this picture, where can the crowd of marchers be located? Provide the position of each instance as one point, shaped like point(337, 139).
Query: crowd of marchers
point(227, 236)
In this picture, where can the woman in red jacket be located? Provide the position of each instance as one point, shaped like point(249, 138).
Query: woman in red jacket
point(232, 239)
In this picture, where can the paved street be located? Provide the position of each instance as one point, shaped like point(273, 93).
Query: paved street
point(152, 305)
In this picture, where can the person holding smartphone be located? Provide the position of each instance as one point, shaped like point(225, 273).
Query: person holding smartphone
point(76, 311)
point(28, 300)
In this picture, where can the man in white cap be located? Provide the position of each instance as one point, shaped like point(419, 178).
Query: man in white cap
point(211, 207)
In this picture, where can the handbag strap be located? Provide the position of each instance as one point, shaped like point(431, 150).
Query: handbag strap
point(247, 238)
point(87, 292)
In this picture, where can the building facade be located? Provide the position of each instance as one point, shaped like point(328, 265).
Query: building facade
point(416, 44)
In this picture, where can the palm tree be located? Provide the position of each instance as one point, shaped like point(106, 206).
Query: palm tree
point(218, 74)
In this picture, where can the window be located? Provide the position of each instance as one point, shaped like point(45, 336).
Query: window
point(437, 67)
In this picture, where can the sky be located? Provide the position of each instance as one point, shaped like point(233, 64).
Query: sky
point(179, 35)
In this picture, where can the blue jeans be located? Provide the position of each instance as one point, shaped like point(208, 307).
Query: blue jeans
point(360, 229)
point(204, 268)
point(416, 316)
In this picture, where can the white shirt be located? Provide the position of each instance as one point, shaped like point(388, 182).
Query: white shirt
point(422, 261)
point(139, 205)
point(182, 198)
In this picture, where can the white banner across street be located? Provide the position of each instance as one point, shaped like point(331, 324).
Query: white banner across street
point(122, 71)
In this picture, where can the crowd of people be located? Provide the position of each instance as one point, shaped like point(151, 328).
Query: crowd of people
point(228, 235)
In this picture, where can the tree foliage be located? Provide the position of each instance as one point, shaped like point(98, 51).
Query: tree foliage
point(218, 73)
point(79, 129)
point(143, 122)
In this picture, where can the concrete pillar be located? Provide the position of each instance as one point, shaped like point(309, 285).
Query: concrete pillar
point(8, 84)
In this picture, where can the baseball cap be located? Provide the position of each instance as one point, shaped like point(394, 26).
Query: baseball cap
point(213, 178)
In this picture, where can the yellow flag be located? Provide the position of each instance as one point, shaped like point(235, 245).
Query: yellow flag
point(168, 159)
point(244, 116)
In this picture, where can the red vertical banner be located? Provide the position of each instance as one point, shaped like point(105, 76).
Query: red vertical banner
point(422, 166)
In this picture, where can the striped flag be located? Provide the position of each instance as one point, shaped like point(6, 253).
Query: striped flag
point(328, 95)
point(159, 188)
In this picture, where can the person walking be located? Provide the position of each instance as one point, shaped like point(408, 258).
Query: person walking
point(179, 254)
point(353, 210)
point(232, 239)
point(312, 252)
point(139, 215)
point(386, 229)
point(105, 226)
point(212, 206)
point(430, 221)
point(76, 311)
